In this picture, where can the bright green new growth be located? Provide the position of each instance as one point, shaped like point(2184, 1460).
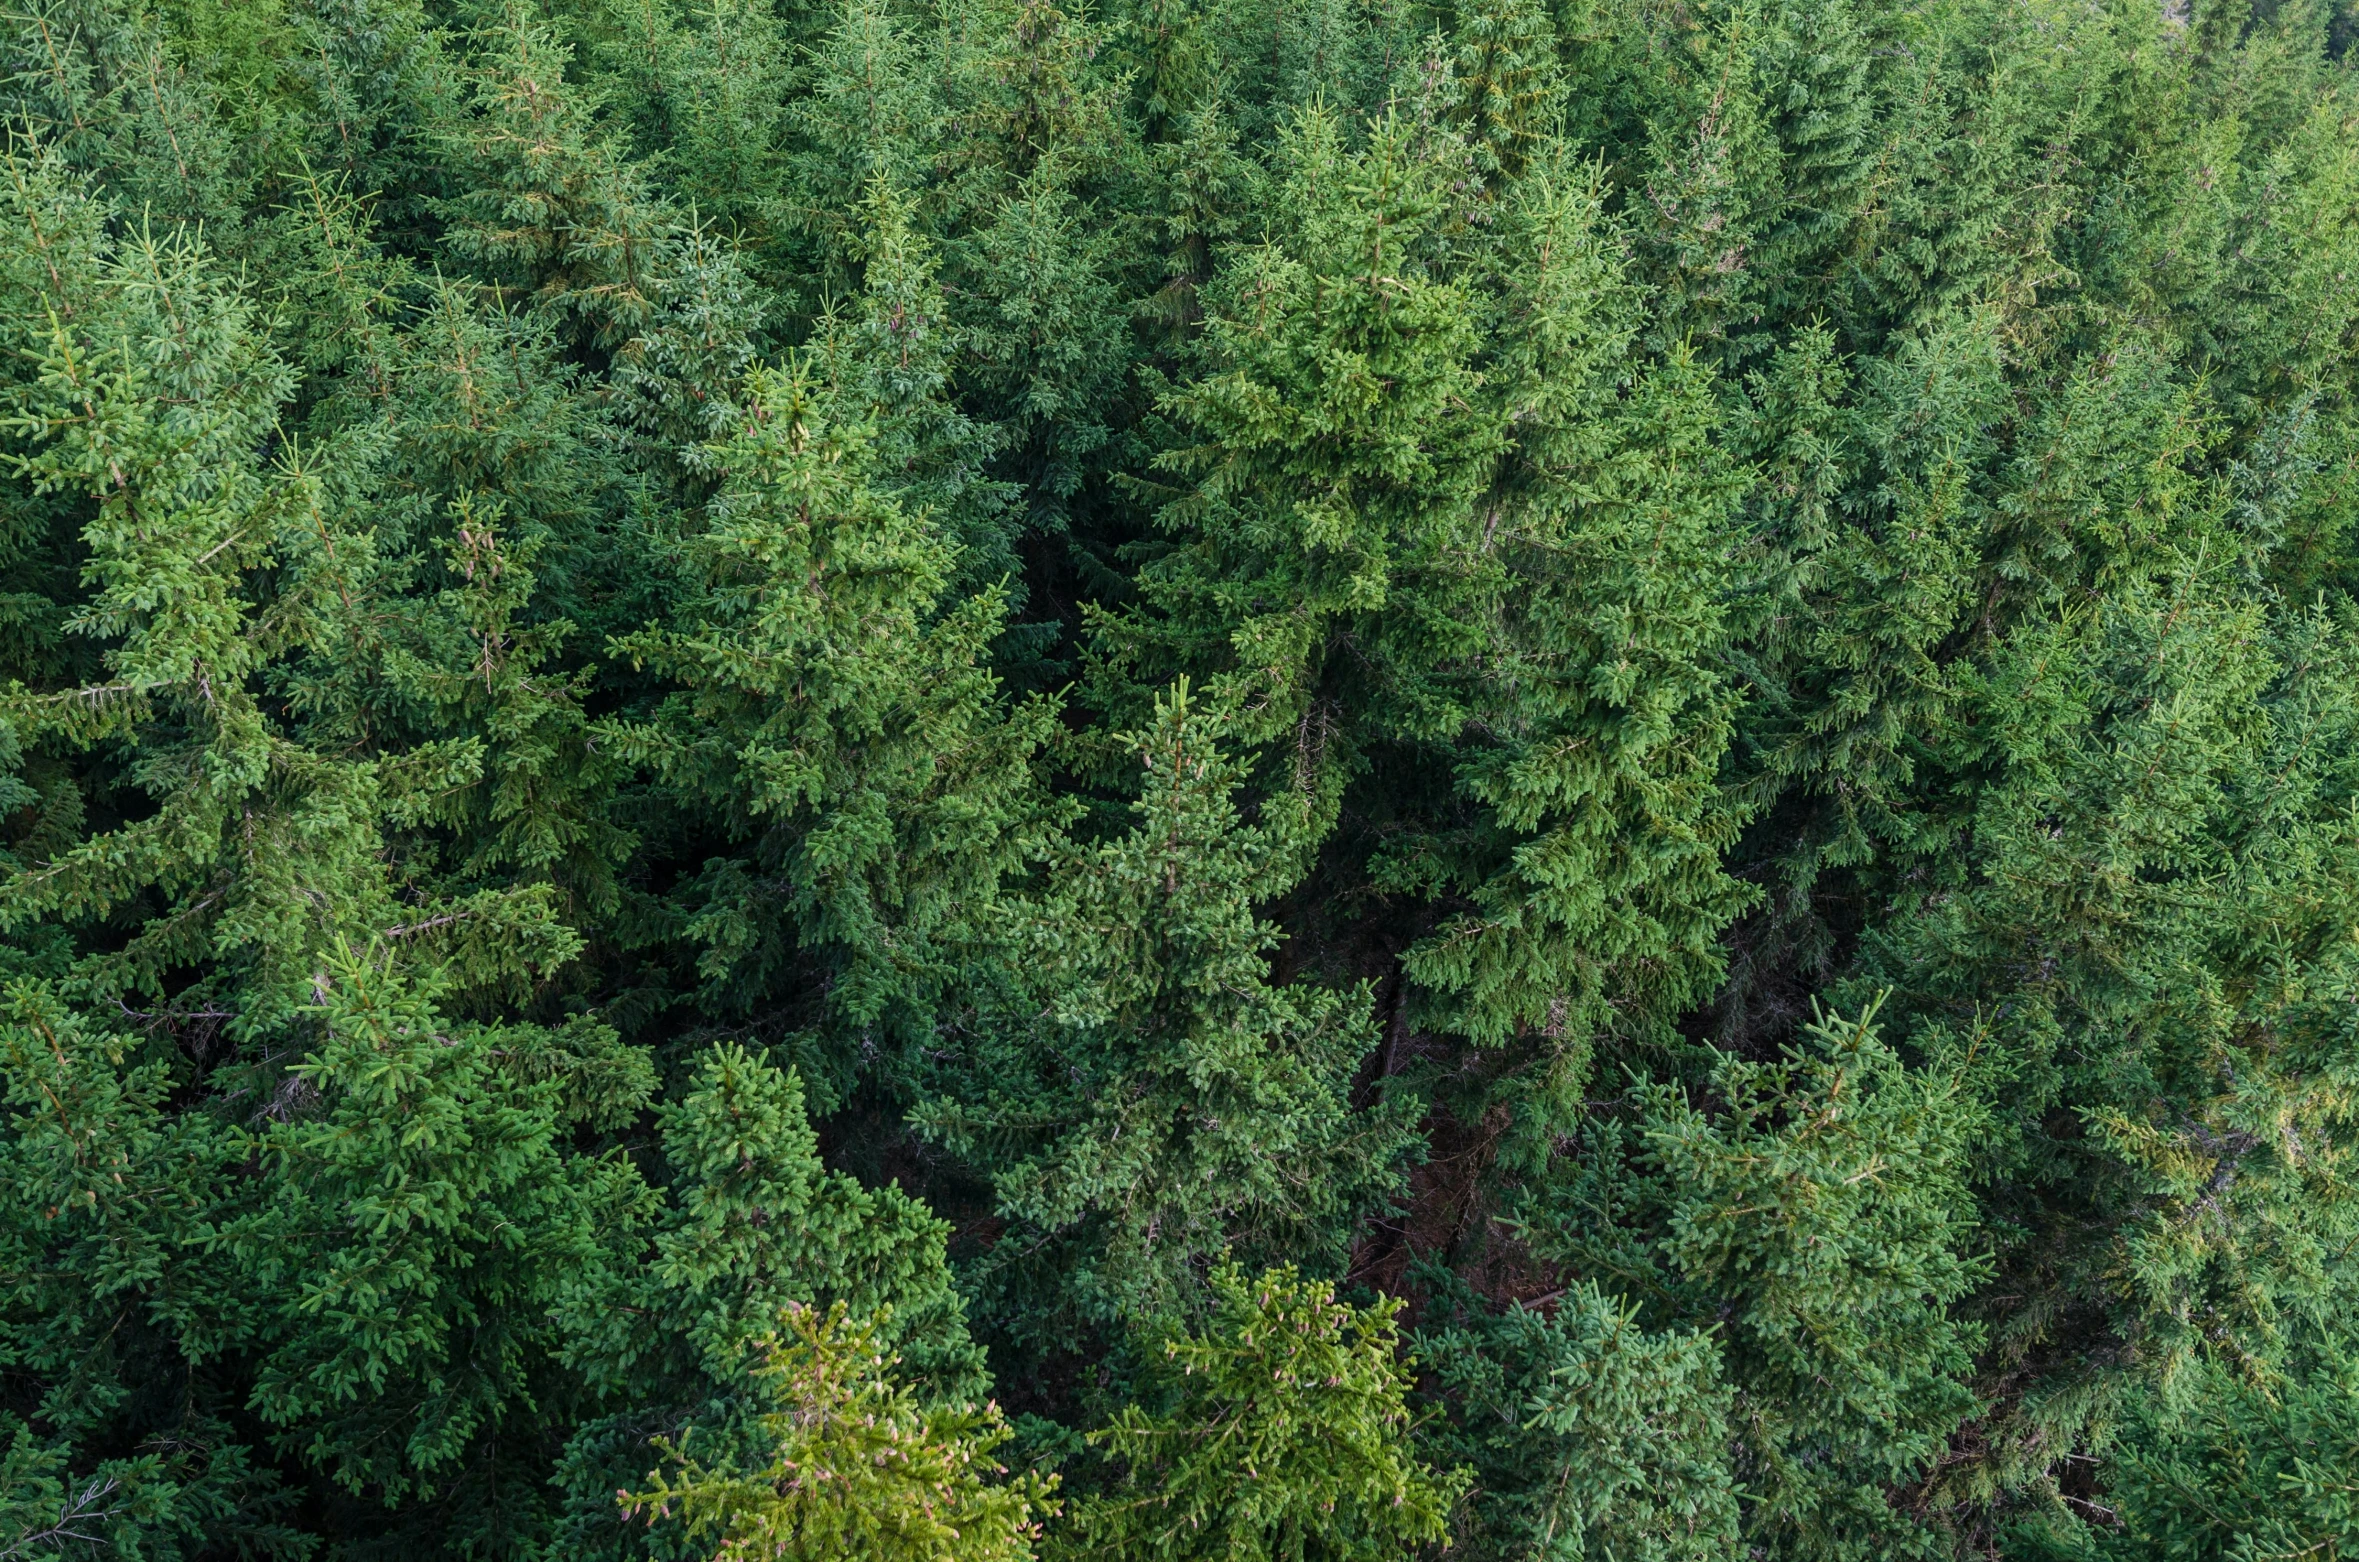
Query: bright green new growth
point(1281, 1432)
point(856, 1466)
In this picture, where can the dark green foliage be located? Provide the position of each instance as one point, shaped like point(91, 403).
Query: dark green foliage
point(835, 718)
point(1588, 1435)
point(1149, 1100)
point(754, 1226)
point(2241, 1469)
point(725, 724)
point(1820, 1224)
point(673, 1329)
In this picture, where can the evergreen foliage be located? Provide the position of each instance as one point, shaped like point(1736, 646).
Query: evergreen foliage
point(729, 731)
point(857, 1467)
point(1281, 1433)
point(1153, 1103)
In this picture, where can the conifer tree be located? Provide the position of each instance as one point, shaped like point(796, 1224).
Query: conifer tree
point(1336, 440)
point(1508, 70)
point(835, 714)
point(1281, 1433)
point(1595, 713)
point(1588, 1435)
point(870, 116)
point(2233, 1469)
point(556, 215)
point(1496, 564)
point(412, 1237)
point(894, 355)
point(858, 1467)
point(675, 1325)
point(755, 1224)
point(722, 726)
point(1822, 1220)
point(107, 1195)
point(1150, 1100)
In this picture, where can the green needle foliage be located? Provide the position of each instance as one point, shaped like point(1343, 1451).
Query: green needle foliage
point(1153, 1101)
point(1821, 1225)
point(1588, 1436)
point(1280, 1433)
point(729, 730)
point(857, 1467)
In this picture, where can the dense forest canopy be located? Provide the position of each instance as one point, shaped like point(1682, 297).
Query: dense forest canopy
point(1296, 779)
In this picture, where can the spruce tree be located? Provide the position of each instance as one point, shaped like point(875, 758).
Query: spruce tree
point(1278, 1434)
point(1820, 1222)
point(1588, 1435)
point(676, 1331)
point(836, 716)
point(726, 728)
point(1149, 1100)
point(858, 1467)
